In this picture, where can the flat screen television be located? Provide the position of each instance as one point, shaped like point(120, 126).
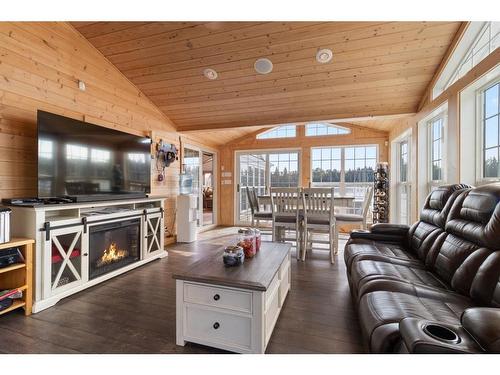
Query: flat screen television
point(89, 162)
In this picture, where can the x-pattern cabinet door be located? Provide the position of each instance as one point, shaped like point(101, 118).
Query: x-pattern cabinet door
point(65, 260)
point(153, 240)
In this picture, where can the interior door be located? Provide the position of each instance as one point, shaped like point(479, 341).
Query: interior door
point(192, 178)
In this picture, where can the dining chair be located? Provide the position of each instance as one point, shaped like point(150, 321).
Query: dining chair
point(352, 218)
point(258, 214)
point(286, 215)
point(319, 217)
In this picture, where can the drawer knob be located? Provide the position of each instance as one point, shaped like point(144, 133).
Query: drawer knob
point(216, 297)
point(216, 325)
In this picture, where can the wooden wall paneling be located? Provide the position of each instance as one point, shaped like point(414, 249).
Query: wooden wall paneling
point(40, 65)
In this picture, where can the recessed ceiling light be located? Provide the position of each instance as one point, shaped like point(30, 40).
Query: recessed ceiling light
point(324, 55)
point(210, 73)
point(263, 66)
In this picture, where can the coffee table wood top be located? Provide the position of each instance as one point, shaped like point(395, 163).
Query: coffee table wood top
point(254, 274)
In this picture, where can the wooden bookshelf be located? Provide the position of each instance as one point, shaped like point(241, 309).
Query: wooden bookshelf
point(20, 275)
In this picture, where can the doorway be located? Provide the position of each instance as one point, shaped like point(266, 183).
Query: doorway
point(199, 179)
point(262, 170)
point(208, 168)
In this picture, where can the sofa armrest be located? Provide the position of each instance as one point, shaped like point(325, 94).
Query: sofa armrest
point(483, 323)
point(419, 337)
point(391, 229)
point(393, 233)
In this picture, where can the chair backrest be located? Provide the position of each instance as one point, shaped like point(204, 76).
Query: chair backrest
point(255, 200)
point(285, 202)
point(318, 203)
point(250, 200)
point(367, 202)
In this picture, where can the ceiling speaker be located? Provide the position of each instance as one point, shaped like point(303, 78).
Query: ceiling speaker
point(263, 66)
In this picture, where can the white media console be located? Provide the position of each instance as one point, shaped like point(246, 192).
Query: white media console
point(82, 244)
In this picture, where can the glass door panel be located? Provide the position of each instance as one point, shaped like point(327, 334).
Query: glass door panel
point(284, 169)
point(252, 173)
point(261, 171)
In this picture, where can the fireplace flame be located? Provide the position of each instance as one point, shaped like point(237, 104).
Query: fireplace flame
point(111, 254)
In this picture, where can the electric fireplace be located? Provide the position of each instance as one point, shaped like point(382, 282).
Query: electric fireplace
point(113, 245)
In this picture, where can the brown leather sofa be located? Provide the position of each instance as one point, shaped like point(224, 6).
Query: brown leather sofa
point(433, 287)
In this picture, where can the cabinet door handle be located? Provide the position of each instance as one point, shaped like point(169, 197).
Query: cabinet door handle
point(216, 297)
point(216, 325)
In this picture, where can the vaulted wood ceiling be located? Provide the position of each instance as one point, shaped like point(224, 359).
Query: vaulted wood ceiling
point(378, 68)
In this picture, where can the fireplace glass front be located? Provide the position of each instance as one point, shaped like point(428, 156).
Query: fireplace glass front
point(113, 246)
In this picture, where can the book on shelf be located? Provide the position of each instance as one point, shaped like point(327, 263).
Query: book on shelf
point(10, 293)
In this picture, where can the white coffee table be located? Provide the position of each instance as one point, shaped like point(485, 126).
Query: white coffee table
point(233, 308)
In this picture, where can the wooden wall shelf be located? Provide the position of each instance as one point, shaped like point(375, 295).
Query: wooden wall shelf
point(19, 276)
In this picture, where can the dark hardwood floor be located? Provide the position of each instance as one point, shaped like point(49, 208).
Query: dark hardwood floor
point(135, 312)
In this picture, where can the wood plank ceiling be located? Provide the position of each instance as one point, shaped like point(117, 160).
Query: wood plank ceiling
point(378, 68)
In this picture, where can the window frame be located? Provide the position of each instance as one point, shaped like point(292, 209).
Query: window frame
point(294, 126)
point(480, 131)
point(407, 184)
point(430, 144)
point(464, 53)
point(327, 125)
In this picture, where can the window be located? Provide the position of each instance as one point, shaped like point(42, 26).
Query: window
point(284, 169)
point(285, 131)
point(403, 161)
point(350, 168)
point(360, 163)
point(436, 149)
point(479, 40)
point(99, 156)
point(317, 129)
point(490, 130)
point(403, 185)
point(137, 158)
point(326, 165)
point(75, 152)
point(45, 149)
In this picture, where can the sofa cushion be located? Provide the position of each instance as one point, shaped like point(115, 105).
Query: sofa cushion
point(391, 269)
point(367, 249)
point(420, 237)
point(472, 219)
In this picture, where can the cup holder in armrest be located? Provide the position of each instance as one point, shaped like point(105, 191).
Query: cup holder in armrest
point(441, 333)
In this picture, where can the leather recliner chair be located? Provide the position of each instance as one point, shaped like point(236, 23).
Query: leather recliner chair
point(442, 270)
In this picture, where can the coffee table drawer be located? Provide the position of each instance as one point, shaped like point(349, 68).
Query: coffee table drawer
point(218, 297)
point(216, 327)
